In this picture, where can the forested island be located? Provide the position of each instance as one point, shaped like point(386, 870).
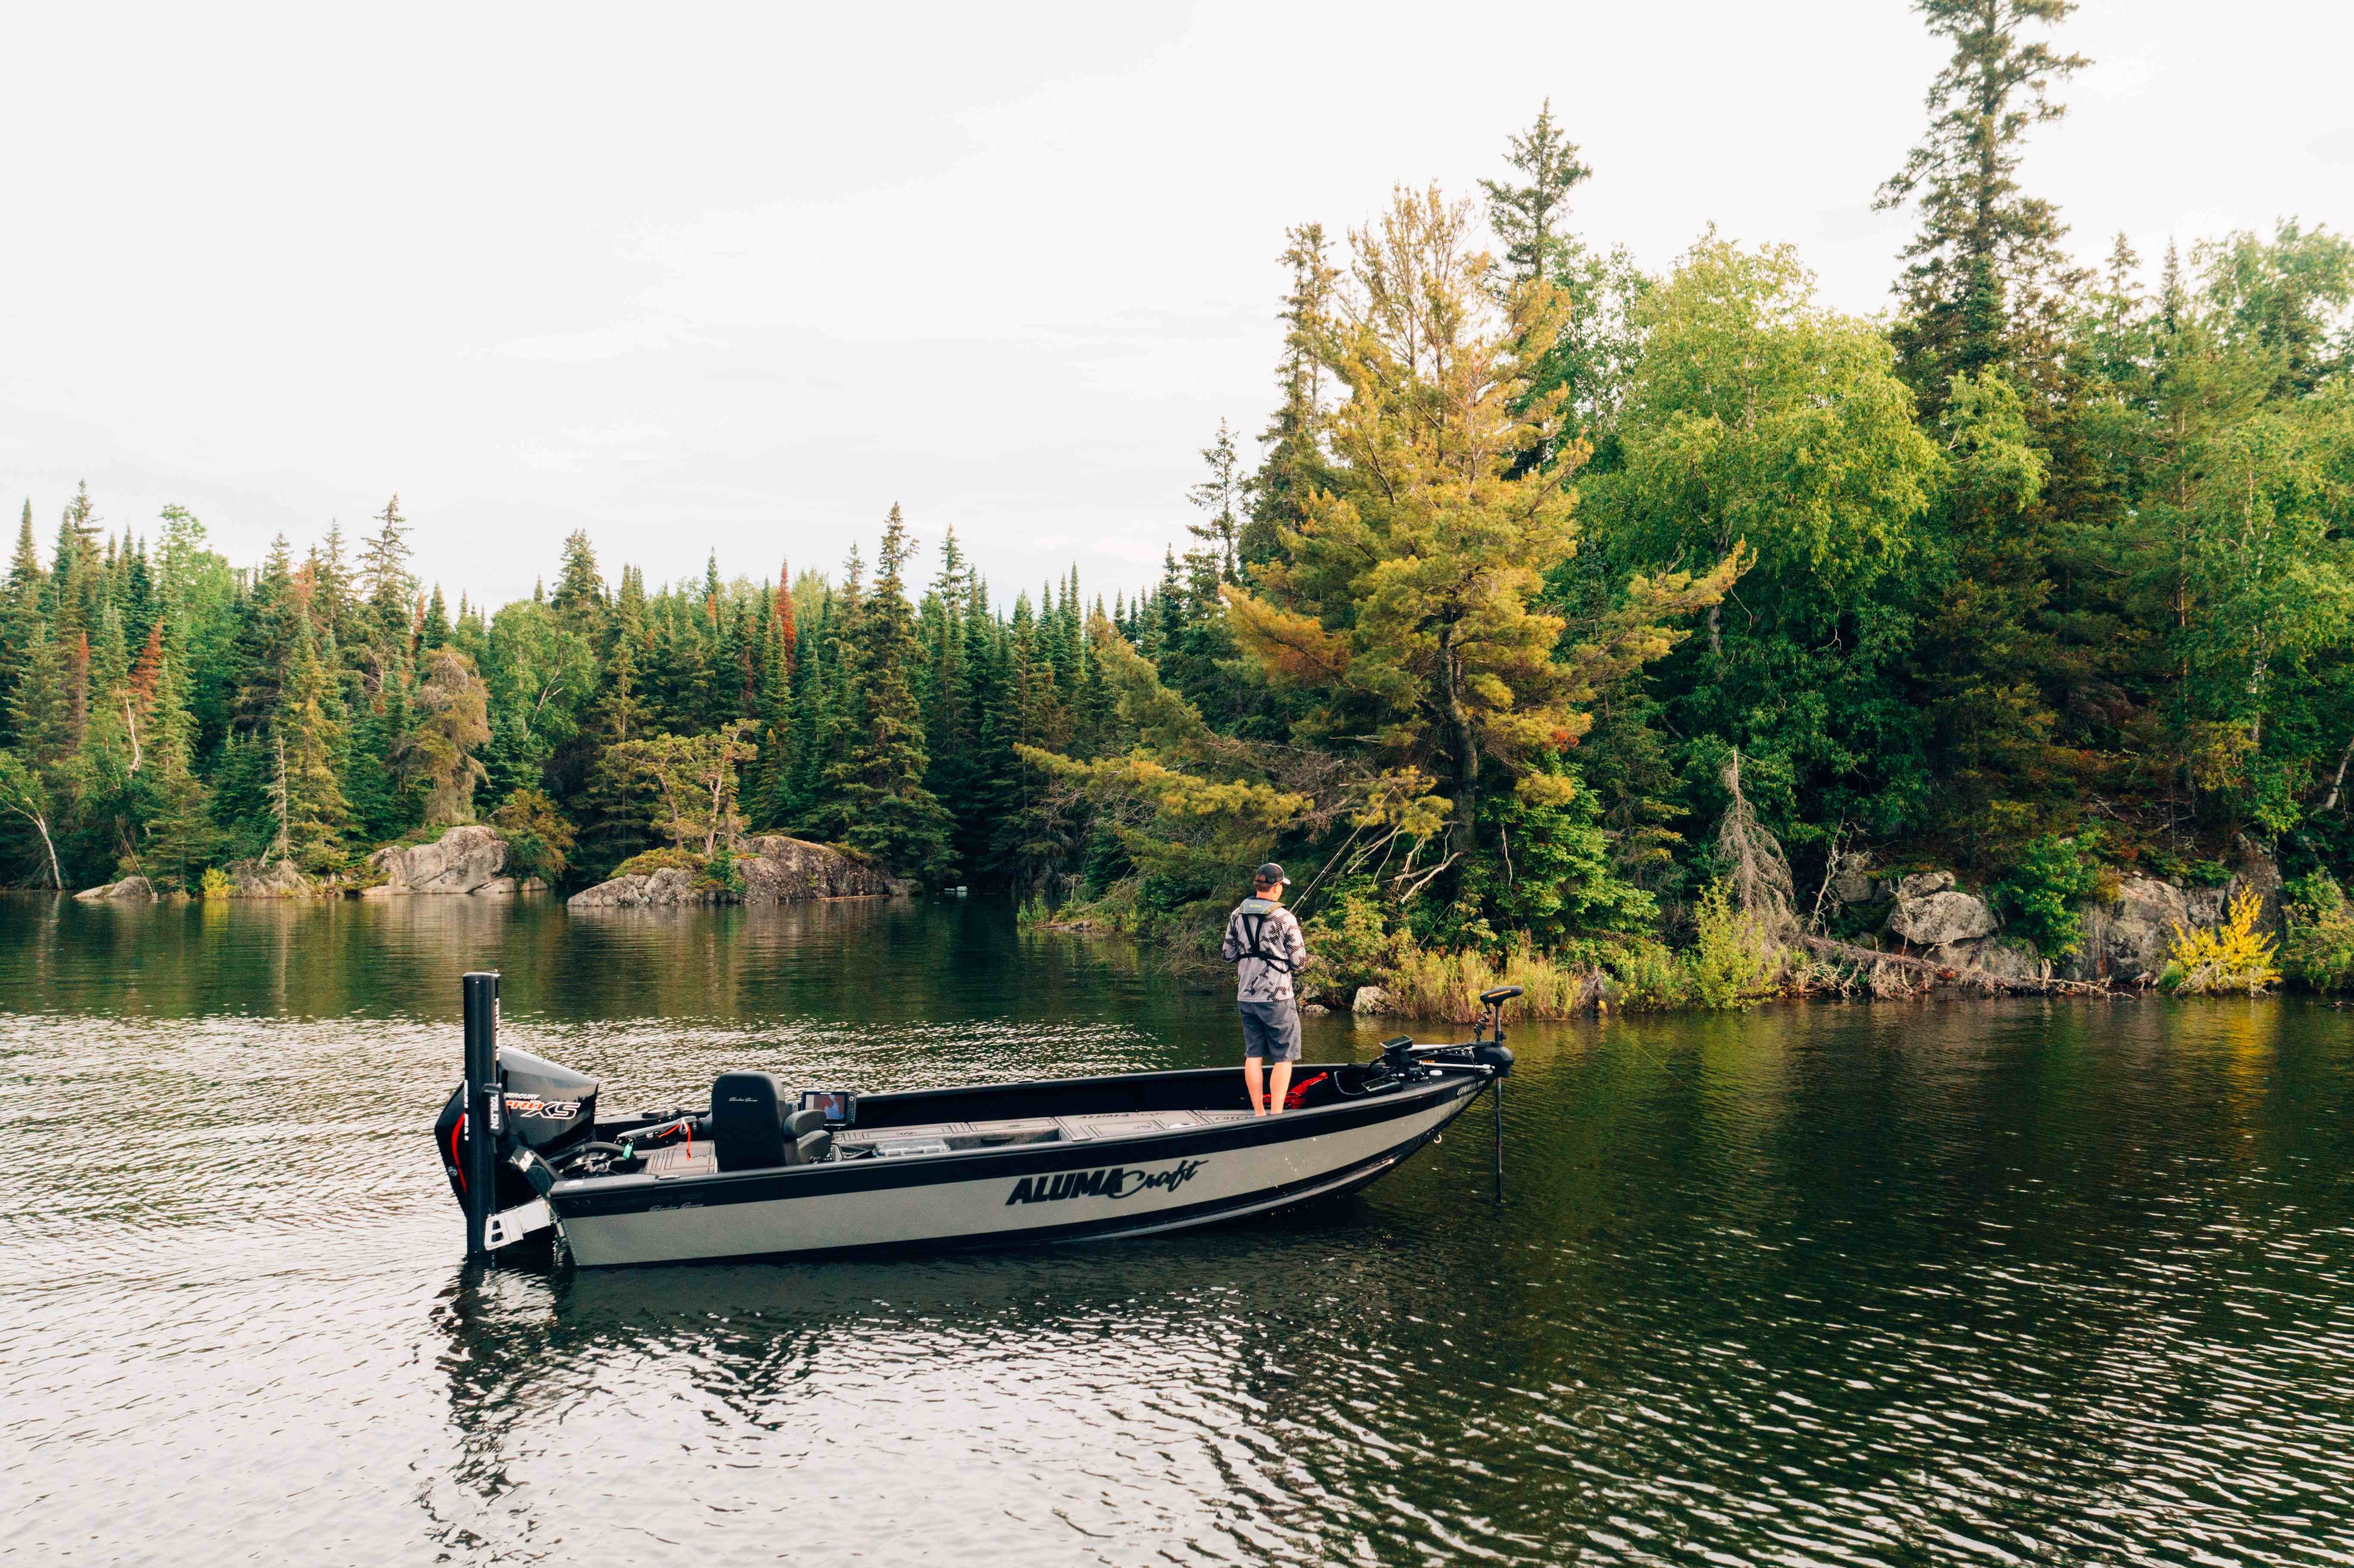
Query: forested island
point(1642, 638)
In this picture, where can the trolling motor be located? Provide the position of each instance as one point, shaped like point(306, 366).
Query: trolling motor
point(1402, 1061)
point(1402, 1058)
point(513, 1114)
point(1499, 1056)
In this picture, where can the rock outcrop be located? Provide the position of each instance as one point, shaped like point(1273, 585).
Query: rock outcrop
point(2125, 940)
point(774, 868)
point(266, 879)
point(462, 861)
point(1932, 913)
point(668, 887)
point(1372, 1001)
point(130, 890)
point(779, 870)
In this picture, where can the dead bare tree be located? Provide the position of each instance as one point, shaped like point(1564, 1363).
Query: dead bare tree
point(1756, 872)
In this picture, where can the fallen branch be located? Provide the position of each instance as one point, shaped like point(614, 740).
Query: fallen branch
point(1986, 979)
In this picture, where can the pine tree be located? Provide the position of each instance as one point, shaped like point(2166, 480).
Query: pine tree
point(1294, 467)
point(1987, 261)
point(580, 599)
point(333, 605)
point(385, 579)
point(1532, 218)
point(21, 618)
point(265, 639)
point(452, 724)
point(877, 800)
point(306, 735)
point(180, 837)
point(38, 720)
point(1220, 496)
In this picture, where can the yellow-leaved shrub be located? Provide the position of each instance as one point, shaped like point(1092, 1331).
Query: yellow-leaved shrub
point(2231, 957)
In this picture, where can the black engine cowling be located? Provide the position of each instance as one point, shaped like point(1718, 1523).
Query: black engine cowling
point(550, 1107)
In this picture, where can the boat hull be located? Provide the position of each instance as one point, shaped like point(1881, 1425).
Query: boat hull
point(1011, 1197)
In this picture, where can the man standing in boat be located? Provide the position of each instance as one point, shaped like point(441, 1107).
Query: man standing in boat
point(1264, 944)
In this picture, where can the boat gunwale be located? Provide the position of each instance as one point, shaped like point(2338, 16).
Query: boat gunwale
point(603, 1196)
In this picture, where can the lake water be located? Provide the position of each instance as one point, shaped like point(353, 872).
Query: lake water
point(1870, 1283)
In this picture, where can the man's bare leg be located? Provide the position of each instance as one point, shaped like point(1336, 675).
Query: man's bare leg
point(1252, 1080)
point(1278, 1089)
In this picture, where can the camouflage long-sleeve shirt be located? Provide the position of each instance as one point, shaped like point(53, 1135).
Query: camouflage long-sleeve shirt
point(1266, 944)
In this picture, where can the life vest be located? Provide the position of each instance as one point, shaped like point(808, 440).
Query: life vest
point(1254, 913)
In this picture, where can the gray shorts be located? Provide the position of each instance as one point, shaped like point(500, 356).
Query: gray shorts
point(1270, 1029)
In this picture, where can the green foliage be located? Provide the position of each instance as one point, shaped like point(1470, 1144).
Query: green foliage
point(2317, 947)
point(1546, 565)
point(654, 859)
point(1424, 983)
point(539, 839)
point(2043, 890)
point(1731, 962)
point(1348, 941)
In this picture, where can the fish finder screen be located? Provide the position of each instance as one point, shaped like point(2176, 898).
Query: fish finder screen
point(840, 1107)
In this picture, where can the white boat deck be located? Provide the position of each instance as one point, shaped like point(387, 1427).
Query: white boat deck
point(699, 1158)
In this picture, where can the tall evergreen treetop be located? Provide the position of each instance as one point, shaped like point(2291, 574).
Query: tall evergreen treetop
point(580, 589)
point(1295, 466)
point(1986, 253)
point(384, 570)
point(1530, 218)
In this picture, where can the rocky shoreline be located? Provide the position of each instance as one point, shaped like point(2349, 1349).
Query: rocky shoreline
point(1929, 918)
point(771, 869)
point(474, 862)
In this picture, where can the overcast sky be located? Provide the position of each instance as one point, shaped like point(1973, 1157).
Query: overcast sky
point(742, 277)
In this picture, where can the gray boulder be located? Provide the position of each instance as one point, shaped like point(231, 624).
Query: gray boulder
point(463, 860)
point(775, 870)
point(1932, 913)
point(1922, 884)
point(130, 890)
point(779, 870)
point(667, 888)
point(2126, 940)
point(1856, 884)
point(2001, 957)
point(266, 879)
point(2261, 875)
point(1372, 1001)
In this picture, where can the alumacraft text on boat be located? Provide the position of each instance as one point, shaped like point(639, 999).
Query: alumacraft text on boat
point(1117, 1183)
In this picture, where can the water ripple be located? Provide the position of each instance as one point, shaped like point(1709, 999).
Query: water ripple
point(1870, 1284)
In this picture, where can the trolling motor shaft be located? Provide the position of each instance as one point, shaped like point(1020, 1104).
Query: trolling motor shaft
point(485, 1115)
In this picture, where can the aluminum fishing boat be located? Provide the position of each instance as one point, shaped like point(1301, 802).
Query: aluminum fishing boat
point(769, 1171)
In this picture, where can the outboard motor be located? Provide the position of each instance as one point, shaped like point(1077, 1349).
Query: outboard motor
point(549, 1108)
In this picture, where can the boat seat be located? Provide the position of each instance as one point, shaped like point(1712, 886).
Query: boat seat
point(754, 1128)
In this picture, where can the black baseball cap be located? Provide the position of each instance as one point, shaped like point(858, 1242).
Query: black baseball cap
point(1269, 875)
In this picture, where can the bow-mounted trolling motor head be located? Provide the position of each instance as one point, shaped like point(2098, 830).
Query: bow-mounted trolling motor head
point(1404, 1061)
point(1493, 1053)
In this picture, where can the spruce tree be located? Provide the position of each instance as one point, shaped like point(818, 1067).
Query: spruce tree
point(580, 599)
point(1986, 259)
point(1531, 220)
point(305, 736)
point(39, 722)
point(385, 579)
point(180, 838)
point(877, 799)
point(21, 615)
point(1294, 467)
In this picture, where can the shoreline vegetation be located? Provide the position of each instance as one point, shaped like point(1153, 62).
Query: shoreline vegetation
point(1643, 640)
